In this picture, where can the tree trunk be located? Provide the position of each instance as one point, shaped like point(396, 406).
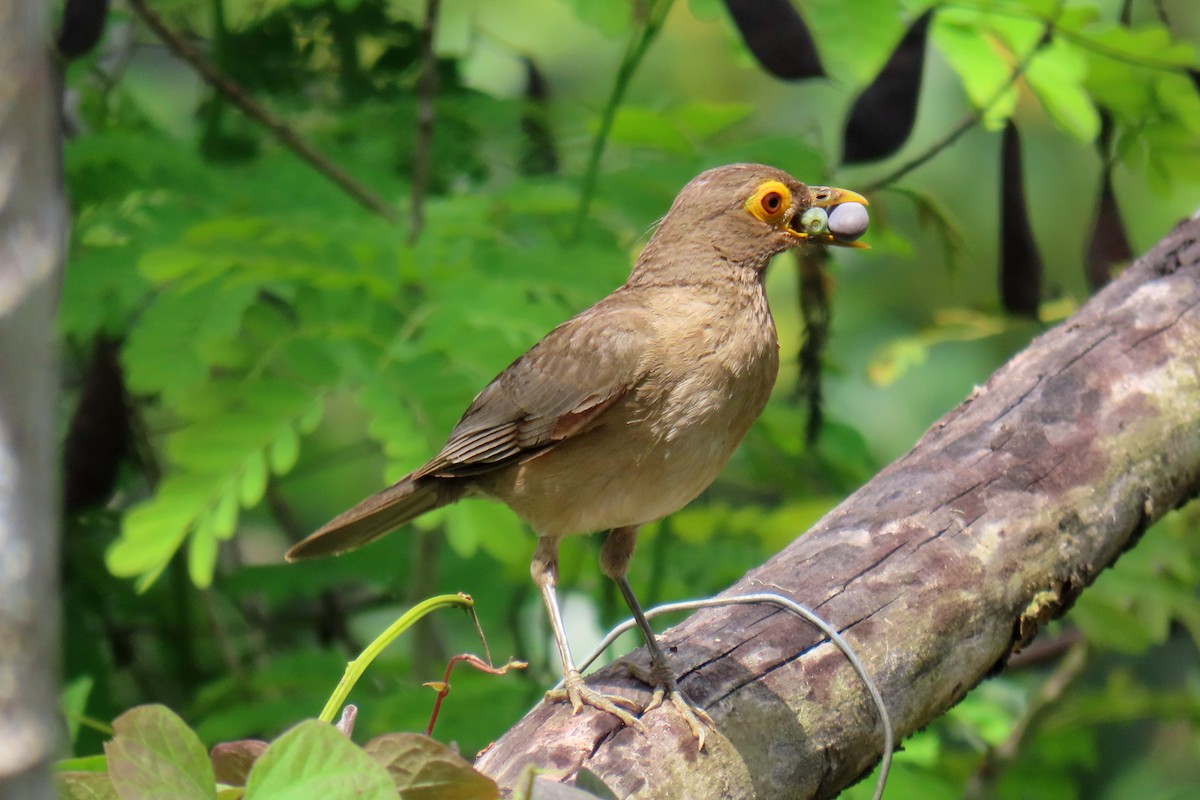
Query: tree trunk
point(936, 571)
point(32, 224)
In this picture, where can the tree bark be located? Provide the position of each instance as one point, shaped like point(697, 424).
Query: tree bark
point(32, 225)
point(936, 571)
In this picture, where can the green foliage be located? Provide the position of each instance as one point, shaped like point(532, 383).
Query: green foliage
point(155, 755)
point(286, 352)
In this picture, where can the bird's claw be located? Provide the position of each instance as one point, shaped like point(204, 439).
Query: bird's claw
point(660, 677)
point(579, 694)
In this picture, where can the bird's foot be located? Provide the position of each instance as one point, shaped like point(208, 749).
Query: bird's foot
point(579, 694)
point(660, 677)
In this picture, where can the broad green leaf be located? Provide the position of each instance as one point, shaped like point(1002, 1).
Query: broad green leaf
point(424, 769)
point(708, 119)
point(1172, 154)
point(611, 17)
point(314, 761)
point(978, 57)
point(1151, 44)
point(97, 763)
point(493, 527)
point(1056, 76)
point(85, 786)
point(1178, 97)
point(156, 755)
point(167, 264)
point(644, 127)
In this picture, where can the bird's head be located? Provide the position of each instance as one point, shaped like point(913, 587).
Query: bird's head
point(747, 213)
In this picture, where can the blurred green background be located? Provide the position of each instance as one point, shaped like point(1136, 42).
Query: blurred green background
point(250, 351)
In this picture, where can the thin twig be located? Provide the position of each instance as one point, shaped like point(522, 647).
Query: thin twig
point(259, 113)
point(982, 783)
point(970, 120)
point(638, 46)
point(427, 85)
point(442, 687)
point(1077, 38)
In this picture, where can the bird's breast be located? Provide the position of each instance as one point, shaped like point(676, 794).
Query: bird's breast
point(707, 376)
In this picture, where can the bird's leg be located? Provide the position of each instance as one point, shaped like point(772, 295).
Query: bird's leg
point(614, 562)
point(545, 575)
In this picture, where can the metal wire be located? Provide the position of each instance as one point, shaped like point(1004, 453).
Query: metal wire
point(771, 598)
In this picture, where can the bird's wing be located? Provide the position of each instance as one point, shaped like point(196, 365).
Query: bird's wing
point(558, 389)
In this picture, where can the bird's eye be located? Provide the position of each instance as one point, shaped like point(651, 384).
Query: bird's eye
point(769, 201)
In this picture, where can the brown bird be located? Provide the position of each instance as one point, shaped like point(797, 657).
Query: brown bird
point(626, 412)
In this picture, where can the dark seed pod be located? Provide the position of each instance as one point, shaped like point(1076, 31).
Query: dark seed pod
point(848, 221)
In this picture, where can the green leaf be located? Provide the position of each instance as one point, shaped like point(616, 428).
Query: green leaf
point(611, 17)
point(975, 52)
point(101, 290)
point(424, 769)
point(85, 786)
point(855, 39)
point(1056, 76)
point(1132, 606)
point(392, 421)
point(1179, 99)
point(221, 445)
point(644, 127)
point(253, 484)
point(225, 514)
point(156, 755)
point(705, 119)
point(1150, 44)
point(161, 354)
point(493, 527)
point(154, 529)
point(284, 451)
point(73, 701)
point(97, 763)
point(311, 417)
point(312, 361)
point(202, 553)
point(314, 761)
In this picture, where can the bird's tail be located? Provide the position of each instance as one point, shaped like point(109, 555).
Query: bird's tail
point(378, 514)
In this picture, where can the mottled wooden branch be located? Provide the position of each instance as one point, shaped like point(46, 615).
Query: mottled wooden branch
point(936, 570)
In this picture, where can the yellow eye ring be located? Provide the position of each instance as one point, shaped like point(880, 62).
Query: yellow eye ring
point(770, 201)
